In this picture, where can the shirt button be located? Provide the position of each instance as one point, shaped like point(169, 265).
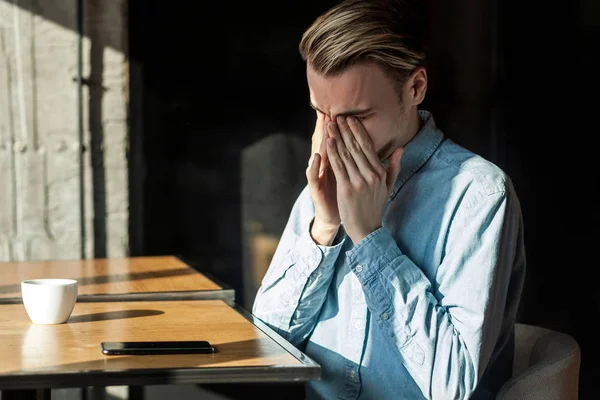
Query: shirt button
point(385, 316)
point(357, 324)
point(359, 268)
point(352, 374)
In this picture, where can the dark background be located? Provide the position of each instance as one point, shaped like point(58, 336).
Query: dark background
point(515, 81)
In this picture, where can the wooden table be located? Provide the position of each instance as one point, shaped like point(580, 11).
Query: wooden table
point(118, 279)
point(68, 355)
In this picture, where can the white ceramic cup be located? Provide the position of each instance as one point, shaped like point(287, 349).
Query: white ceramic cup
point(49, 301)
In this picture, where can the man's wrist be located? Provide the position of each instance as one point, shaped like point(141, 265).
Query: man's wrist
point(360, 236)
point(323, 234)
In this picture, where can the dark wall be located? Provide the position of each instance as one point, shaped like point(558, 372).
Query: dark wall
point(550, 108)
point(216, 78)
point(512, 80)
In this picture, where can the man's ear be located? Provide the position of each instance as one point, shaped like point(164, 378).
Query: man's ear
point(417, 86)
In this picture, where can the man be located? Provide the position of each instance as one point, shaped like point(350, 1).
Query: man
point(401, 267)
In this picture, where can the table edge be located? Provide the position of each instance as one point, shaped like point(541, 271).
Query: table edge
point(142, 377)
point(280, 340)
point(227, 295)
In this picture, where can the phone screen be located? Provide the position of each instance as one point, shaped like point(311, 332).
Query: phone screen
point(167, 347)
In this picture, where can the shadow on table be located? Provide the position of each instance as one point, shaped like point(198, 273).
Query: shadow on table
point(110, 315)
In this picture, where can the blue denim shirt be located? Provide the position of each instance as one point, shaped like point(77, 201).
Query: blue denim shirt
point(423, 307)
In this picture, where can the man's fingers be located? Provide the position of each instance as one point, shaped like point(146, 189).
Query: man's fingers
point(319, 123)
point(312, 172)
point(339, 169)
point(316, 137)
point(323, 146)
point(344, 154)
point(352, 145)
point(365, 142)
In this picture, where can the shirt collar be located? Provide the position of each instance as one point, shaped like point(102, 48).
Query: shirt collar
point(418, 150)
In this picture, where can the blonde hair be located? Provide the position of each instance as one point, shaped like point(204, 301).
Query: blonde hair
point(389, 33)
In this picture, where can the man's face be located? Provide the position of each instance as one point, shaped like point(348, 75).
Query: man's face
point(364, 91)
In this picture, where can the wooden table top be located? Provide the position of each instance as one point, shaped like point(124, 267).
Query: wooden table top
point(69, 355)
point(135, 278)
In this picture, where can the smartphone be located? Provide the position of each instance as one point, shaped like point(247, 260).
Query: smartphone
point(173, 347)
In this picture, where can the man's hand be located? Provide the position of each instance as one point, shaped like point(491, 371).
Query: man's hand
point(322, 185)
point(363, 184)
point(318, 145)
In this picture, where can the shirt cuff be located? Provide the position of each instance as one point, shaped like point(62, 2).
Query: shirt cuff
point(312, 255)
point(379, 255)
